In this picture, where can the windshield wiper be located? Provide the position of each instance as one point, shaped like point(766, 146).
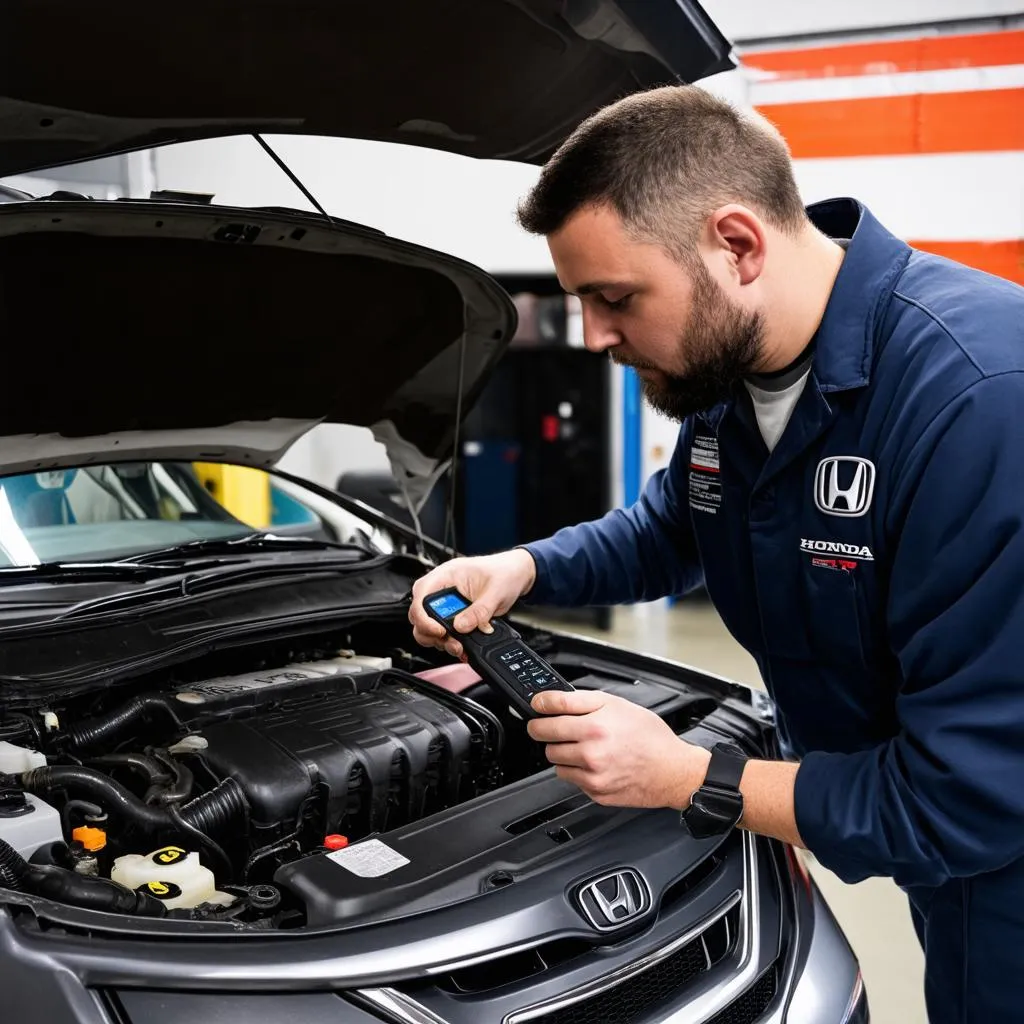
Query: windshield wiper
point(65, 572)
point(242, 545)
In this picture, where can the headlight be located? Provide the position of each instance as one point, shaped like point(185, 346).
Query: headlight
point(858, 1012)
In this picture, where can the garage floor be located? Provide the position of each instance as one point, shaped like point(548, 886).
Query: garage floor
point(874, 913)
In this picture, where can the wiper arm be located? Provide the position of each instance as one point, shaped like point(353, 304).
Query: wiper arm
point(241, 545)
point(192, 584)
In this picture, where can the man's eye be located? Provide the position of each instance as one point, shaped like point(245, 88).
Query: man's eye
point(618, 304)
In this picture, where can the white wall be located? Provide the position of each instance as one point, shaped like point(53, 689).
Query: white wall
point(767, 19)
point(458, 205)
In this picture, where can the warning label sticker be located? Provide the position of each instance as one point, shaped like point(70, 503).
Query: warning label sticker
point(369, 859)
point(705, 474)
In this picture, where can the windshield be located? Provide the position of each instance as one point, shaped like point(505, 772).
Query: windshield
point(104, 513)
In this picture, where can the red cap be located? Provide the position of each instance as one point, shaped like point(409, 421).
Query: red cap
point(335, 842)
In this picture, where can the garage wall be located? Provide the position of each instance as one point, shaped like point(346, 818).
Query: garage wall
point(747, 20)
point(462, 206)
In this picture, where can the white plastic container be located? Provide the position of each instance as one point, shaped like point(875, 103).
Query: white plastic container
point(171, 874)
point(14, 760)
point(27, 832)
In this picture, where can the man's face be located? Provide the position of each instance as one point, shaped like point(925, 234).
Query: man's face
point(689, 342)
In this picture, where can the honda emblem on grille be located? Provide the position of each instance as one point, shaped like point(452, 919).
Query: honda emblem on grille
point(614, 899)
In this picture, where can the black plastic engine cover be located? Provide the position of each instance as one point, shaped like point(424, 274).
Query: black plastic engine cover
point(374, 759)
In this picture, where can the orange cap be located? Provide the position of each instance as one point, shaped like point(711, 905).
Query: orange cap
point(93, 839)
point(335, 842)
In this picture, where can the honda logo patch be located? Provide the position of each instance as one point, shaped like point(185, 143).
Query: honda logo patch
point(614, 899)
point(844, 485)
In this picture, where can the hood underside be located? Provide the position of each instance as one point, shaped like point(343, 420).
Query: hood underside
point(142, 330)
point(154, 330)
point(487, 78)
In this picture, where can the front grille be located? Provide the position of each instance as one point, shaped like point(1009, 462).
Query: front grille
point(644, 993)
point(634, 999)
point(753, 1003)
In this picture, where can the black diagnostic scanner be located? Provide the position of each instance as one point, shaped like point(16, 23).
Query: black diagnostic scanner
point(500, 658)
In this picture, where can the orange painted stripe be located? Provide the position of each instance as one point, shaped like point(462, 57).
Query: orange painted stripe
point(934, 53)
point(1004, 259)
point(988, 121)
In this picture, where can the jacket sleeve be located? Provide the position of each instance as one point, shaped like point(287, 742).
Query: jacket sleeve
point(943, 799)
point(634, 554)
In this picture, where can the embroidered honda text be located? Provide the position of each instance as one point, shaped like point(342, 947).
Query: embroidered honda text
point(705, 474)
point(835, 564)
point(860, 552)
point(844, 486)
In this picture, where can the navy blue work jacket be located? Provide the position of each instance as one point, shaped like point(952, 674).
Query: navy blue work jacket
point(873, 565)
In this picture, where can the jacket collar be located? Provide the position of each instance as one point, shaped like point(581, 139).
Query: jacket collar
point(844, 346)
point(845, 340)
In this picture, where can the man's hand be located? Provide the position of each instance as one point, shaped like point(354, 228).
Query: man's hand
point(617, 752)
point(623, 755)
point(492, 582)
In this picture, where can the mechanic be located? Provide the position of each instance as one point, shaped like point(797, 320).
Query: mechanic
point(848, 484)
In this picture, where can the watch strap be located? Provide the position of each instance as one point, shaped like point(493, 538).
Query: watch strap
point(725, 769)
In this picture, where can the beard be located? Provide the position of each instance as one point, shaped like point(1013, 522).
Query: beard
point(719, 346)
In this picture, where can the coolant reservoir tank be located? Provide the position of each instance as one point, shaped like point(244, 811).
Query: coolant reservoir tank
point(171, 874)
point(14, 760)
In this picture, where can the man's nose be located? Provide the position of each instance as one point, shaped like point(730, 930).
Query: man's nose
point(598, 334)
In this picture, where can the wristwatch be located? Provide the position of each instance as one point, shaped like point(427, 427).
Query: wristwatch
point(718, 804)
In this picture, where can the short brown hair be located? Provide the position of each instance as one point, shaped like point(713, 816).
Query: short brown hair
point(664, 160)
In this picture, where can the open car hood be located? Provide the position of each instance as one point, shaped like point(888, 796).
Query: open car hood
point(152, 330)
point(177, 330)
point(504, 79)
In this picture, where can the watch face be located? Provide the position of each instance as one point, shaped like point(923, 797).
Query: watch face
point(712, 812)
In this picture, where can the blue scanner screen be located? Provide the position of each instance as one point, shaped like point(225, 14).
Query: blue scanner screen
point(449, 605)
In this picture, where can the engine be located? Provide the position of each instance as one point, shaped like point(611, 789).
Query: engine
point(243, 773)
point(193, 791)
point(340, 753)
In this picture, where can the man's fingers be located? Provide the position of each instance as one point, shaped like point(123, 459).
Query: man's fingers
point(558, 728)
point(429, 628)
point(563, 702)
point(477, 616)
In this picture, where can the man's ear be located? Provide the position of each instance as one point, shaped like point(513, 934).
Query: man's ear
point(738, 234)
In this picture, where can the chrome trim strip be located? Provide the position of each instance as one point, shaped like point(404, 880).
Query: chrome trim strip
point(399, 1007)
point(623, 974)
point(450, 966)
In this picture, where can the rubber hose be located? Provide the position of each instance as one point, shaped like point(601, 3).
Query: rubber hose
point(96, 787)
point(225, 867)
point(224, 805)
point(169, 781)
point(106, 728)
point(12, 867)
point(92, 813)
point(154, 772)
point(221, 807)
point(179, 789)
point(86, 891)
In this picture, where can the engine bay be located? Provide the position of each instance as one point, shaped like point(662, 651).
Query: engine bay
point(193, 793)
